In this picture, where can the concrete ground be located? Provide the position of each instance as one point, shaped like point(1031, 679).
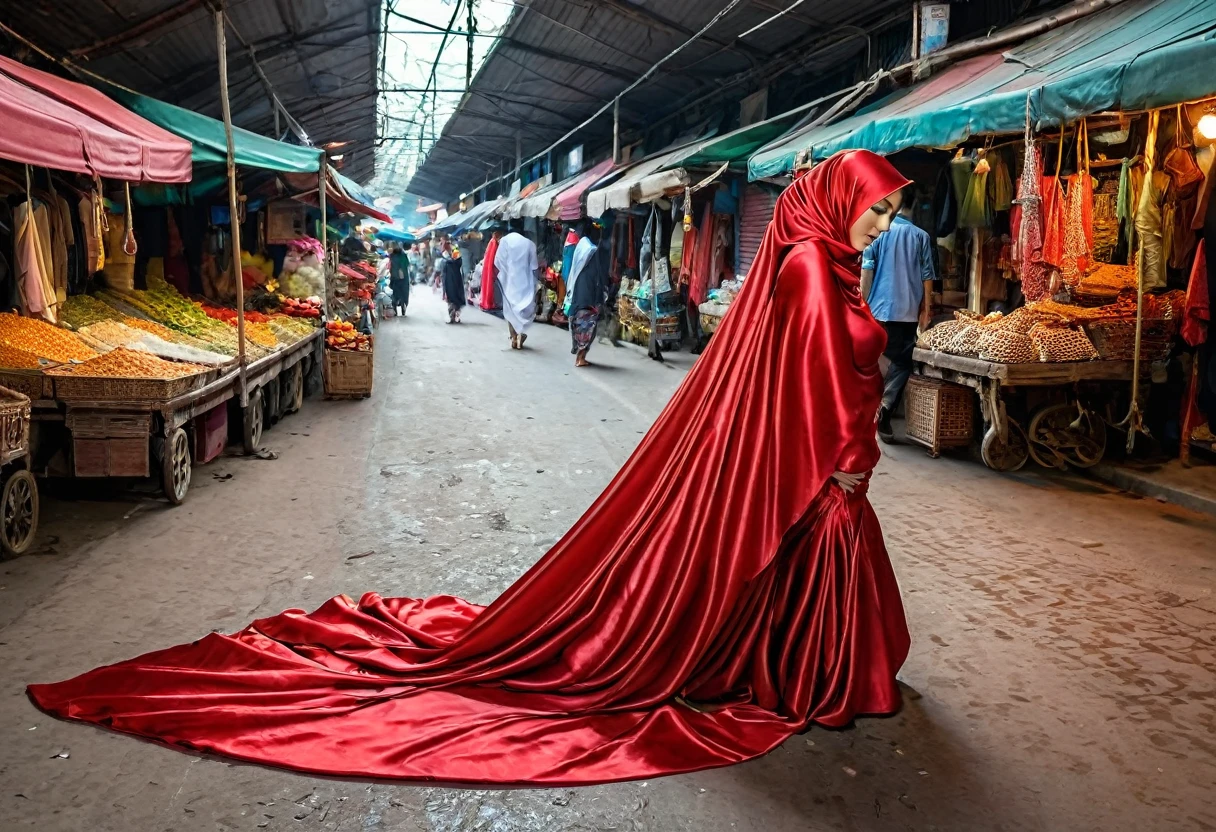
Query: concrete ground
point(1062, 676)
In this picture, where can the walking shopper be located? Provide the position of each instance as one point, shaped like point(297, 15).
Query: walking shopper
point(586, 293)
point(399, 279)
point(719, 597)
point(518, 272)
point(453, 283)
point(490, 290)
point(897, 283)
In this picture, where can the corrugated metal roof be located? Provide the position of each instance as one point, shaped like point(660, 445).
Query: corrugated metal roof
point(321, 57)
point(560, 60)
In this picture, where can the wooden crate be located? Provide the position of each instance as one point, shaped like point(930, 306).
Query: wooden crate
point(348, 375)
point(940, 414)
point(110, 444)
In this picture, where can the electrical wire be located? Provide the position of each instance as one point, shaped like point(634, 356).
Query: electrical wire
point(641, 79)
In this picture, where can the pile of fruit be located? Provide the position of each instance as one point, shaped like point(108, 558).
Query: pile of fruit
point(228, 316)
point(42, 339)
point(307, 308)
point(125, 363)
point(340, 335)
point(82, 310)
point(12, 358)
point(113, 333)
point(163, 303)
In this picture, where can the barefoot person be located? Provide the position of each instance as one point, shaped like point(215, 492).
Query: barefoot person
point(728, 590)
point(518, 270)
point(586, 292)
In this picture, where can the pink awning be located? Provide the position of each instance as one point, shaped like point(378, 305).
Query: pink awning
point(569, 201)
point(56, 123)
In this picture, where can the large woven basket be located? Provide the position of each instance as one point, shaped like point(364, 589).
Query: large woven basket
point(1115, 340)
point(940, 414)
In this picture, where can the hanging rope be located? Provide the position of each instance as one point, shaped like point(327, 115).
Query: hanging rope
point(1134, 421)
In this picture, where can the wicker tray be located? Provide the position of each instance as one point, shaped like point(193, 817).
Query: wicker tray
point(106, 389)
point(14, 424)
point(940, 414)
point(1116, 340)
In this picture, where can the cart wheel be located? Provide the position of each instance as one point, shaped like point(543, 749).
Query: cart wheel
point(251, 423)
point(176, 467)
point(1005, 456)
point(1054, 441)
point(20, 507)
point(295, 401)
point(273, 396)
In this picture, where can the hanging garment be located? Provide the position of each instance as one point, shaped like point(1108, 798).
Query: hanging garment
point(703, 257)
point(1000, 185)
point(1027, 228)
point(35, 279)
point(973, 207)
point(489, 288)
point(93, 218)
point(1198, 311)
point(1078, 228)
point(719, 597)
point(1150, 229)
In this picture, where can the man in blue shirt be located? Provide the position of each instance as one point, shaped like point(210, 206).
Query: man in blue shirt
point(897, 282)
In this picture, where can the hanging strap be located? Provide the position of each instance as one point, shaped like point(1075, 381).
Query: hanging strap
point(128, 234)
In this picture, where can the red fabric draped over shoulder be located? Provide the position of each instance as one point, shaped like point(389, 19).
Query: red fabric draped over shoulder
point(717, 566)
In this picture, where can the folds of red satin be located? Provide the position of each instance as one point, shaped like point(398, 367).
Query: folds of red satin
point(488, 295)
point(719, 566)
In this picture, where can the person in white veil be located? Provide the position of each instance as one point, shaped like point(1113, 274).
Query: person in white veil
point(518, 272)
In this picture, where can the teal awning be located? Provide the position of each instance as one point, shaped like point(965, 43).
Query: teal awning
point(206, 134)
point(739, 144)
point(1137, 55)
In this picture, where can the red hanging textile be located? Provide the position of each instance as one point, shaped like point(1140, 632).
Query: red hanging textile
point(703, 256)
point(1198, 310)
point(1027, 227)
point(727, 572)
point(487, 301)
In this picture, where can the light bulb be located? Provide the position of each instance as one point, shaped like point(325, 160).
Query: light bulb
point(1207, 126)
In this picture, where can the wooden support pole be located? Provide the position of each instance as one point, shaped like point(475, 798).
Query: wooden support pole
point(233, 200)
point(322, 182)
point(616, 131)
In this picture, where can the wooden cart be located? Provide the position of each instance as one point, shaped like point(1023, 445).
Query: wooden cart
point(1059, 433)
point(125, 437)
point(19, 493)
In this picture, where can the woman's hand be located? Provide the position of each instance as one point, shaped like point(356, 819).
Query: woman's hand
point(848, 482)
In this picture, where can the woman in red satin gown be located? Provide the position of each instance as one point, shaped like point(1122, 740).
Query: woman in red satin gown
point(728, 589)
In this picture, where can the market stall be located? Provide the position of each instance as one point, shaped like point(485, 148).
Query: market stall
point(1065, 215)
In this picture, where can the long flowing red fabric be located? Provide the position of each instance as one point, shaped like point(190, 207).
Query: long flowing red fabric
point(489, 298)
point(720, 595)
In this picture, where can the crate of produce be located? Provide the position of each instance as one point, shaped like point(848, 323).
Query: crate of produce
point(1115, 339)
point(940, 414)
point(348, 375)
point(14, 424)
point(124, 375)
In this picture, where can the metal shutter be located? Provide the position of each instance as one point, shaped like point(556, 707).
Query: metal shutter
point(758, 205)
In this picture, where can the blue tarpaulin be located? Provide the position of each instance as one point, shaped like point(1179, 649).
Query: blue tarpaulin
point(1137, 55)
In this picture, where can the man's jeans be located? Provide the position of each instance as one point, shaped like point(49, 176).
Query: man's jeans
point(901, 340)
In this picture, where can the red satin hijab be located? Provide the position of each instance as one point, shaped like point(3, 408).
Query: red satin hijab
point(719, 567)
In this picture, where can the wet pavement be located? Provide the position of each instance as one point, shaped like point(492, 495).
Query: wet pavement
point(1062, 675)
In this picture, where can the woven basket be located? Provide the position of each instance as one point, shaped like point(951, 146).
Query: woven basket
point(939, 413)
point(348, 375)
point(1115, 340)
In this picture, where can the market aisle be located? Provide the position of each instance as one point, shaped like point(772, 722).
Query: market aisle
point(1061, 674)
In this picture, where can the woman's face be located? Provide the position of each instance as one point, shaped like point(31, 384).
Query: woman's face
point(874, 221)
